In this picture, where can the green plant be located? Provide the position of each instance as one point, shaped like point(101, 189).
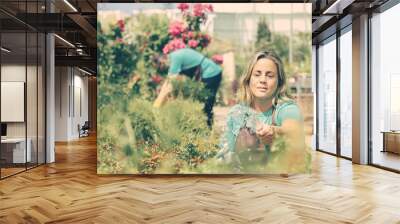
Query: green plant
point(184, 120)
point(151, 34)
point(117, 59)
point(189, 89)
point(302, 52)
point(150, 158)
point(107, 161)
point(192, 140)
point(173, 137)
point(142, 119)
point(263, 33)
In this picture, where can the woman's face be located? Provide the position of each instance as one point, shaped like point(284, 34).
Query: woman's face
point(264, 79)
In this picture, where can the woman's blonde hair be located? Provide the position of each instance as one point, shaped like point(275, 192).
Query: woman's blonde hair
point(281, 94)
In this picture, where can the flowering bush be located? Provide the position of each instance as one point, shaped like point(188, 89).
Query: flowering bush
point(151, 34)
point(157, 37)
point(176, 28)
point(134, 137)
point(121, 25)
point(117, 59)
point(171, 137)
point(187, 32)
point(183, 7)
point(174, 44)
point(193, 43)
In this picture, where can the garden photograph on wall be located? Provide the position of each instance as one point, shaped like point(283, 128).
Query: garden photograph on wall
point(201, 88)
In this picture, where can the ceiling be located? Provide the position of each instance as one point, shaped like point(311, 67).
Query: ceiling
point(330, 15)
point(76, 22)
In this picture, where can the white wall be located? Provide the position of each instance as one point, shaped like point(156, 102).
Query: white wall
point(71, 94)
point(62, 81)
point(13, 73)
point(81, 83)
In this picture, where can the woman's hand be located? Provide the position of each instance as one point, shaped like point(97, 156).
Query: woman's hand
point(266, 134)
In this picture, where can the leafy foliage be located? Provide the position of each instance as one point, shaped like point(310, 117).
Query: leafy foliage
point(107, 162)
point(151, 35)
point(189, 89)
point(302, 52)
point(133, 136)
point(142, 120)
point(177, 130)
point(116, 61)
point(263, 33)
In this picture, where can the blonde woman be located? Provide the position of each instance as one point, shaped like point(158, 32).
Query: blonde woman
point(265, 111)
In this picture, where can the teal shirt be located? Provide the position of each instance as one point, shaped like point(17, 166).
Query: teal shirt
point(241, 116)
point(185, 58)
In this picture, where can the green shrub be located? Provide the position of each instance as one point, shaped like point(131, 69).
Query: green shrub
point(153, 140)
point(117, 59)
point(189, 89)
point(142, 120)
point(107, 161)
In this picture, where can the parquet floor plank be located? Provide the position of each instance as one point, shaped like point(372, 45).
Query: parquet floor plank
point(70, 191)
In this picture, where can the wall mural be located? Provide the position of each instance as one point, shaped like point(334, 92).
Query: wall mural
point(203, 88)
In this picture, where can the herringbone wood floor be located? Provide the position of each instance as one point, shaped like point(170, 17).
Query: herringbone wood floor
point(70, 191)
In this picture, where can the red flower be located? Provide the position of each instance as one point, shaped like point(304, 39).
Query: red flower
point(209, 7)
point(156, 79)
point(121, 25)
point(198, 10)
point(193, 43)
point(176, 28)
point(177, 43)
point(183, 6)
point(173, 45)
point(217, 58)
point(119, 40)
point(190, 34)
point(166, 49)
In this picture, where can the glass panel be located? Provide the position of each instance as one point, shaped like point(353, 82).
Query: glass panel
point(314, 78)
point(13, 87)
point(31, 97)
point(23, 88)
point(385, 89)
point(327, 96)
point(31, 85)
point(346, 94)
point(41, 150)
point(41, 99)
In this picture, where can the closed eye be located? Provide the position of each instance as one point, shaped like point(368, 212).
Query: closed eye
point(269, 74)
